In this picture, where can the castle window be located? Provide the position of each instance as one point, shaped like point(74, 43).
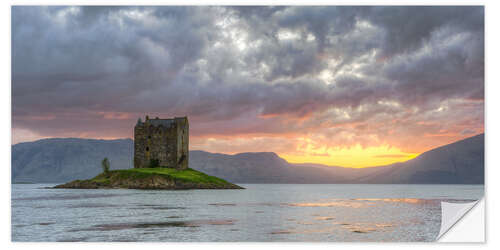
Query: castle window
point(147, 148)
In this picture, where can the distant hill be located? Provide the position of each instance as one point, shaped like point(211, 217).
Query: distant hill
point(62, 160)
point(266, 167)
point(459, 162)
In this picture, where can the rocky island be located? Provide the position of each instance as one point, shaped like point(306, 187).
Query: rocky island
point(152, 178)
point(160, 161)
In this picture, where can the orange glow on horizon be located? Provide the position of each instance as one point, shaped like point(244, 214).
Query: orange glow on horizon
point(352, 157)
point(295, 148)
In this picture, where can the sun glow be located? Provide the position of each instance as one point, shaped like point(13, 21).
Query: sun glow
point(307, 150)
point(353, 157)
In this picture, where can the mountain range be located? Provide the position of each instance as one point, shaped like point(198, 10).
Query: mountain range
point(60, 160)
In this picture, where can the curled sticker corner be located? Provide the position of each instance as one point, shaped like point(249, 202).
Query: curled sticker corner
point(451, 213)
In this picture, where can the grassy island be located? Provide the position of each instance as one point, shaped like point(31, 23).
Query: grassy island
point(152, 178)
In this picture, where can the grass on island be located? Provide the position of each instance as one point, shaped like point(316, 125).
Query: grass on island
point(187, 175)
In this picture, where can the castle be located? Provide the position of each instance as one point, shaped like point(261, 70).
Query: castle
point(161, 143)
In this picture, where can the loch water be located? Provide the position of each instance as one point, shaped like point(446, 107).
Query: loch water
point(259, 213)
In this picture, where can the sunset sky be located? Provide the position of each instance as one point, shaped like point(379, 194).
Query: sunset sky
point(343, 86)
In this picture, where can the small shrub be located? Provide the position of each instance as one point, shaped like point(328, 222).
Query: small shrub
point(154, 163)
point(105, 165)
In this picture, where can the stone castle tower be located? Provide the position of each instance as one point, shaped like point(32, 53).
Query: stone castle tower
point(161, 143)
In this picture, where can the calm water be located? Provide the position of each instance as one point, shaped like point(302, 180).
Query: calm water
point(262, 212)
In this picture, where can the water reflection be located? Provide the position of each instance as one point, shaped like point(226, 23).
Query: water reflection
point(339, 203)
point(259, 213)
point(402, 200)
point(366, 227)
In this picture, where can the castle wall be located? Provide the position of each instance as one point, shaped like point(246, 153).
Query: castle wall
point(182, 142)
point(166, 142)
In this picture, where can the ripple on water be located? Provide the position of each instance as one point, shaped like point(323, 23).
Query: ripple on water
point(337, 203)
point(366, 227)
point(222, 204)
point(66, 197)
point(91, 205)
point(80, 239)
point(145, 225)
point(324, 218)
point(45, 223)
point(157, 207)
point(281, 232)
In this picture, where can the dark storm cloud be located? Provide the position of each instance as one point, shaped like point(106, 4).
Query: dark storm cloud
point(409, 28)
point(258, 69)
point(59, 64)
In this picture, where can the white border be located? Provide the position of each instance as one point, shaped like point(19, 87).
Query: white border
point(492, 121)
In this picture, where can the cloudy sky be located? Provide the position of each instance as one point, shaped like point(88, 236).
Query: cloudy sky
point(348, 86)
